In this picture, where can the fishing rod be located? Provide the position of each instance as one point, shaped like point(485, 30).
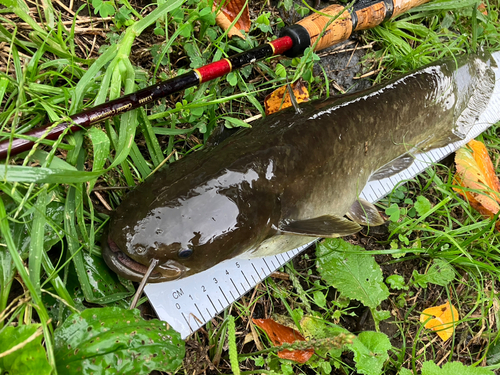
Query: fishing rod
point(317, 30)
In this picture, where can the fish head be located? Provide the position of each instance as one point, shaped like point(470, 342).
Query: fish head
point(188, 230)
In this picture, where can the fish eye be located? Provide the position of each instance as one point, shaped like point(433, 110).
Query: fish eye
point(185, 253)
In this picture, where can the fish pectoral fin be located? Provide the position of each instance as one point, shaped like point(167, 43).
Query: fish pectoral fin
point(393, 167)
point(322, 226)
point(365, 213)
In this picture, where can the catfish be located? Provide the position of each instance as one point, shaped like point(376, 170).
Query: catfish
point(293, 176)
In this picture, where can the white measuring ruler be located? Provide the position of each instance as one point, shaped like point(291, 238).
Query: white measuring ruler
point(189, 303)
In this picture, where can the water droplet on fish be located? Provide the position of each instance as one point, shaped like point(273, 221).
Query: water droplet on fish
point(140, 249)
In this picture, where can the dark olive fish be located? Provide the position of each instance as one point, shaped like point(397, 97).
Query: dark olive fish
point(293, 176)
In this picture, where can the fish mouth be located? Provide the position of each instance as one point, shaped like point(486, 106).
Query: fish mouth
point(129, 269)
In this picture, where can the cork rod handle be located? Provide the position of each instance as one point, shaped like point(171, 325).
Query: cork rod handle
point(363, 15)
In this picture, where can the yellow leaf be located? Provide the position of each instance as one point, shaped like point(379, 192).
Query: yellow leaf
point(476, 174)
point(275, 102)
point(443, 319)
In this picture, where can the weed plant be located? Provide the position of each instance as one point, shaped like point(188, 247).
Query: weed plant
point(59, 58)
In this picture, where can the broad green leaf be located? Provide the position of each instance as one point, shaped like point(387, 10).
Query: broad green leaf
point(396, 282)
point(379, 315)
point(236, 122)
point(393, 212)
point(493, 356)
point(280, 71)
point(319, 298)
point(106, 287)
point(111, 340)
point(452, 368)
point(370, 352)
point(422, 205)
point(356, 276)
point(28, 359)
point(440, 273)
point(232, 78)
point(405, 371)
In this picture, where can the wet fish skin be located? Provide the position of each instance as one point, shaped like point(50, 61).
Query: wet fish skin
point(243, 195)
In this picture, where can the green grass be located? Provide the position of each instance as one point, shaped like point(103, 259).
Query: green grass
point(51, 218)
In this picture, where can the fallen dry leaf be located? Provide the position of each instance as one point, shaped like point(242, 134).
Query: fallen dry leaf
point(228, 13)
point(279, 335)
point(444, 319)
point(475, 172)
point(275, 102)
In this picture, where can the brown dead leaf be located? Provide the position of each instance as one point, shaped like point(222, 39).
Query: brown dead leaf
point(228, 13)
point(443, 321)
point(279, 335)
point(275, 102)
point(475, 172)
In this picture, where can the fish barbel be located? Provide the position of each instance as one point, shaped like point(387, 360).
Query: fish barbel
point(292, 177)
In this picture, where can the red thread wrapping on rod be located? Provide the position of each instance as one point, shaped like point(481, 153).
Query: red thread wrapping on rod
point(214, 70)
point(281, 45)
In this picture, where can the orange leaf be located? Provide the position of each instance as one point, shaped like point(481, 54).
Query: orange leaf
point(444, 319)
point(275, 102)
point(475, 171)
point(228, 13)
point(279, 335)
point(482, 8)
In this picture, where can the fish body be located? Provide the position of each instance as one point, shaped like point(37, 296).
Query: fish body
point(293, 176)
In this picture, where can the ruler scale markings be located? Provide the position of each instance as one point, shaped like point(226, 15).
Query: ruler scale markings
point(267, 265)
point(202, 317)
point(235, 287)
point(392, 182)
point(367, 196)
point(277, 260)
point(249, 285)
point(215, 308)
point(223, 307)
point(195, 319)
point(388, 186)
point(372, 187)
point(377, 186)
point(189, 325)
point(232, 295)
point(257, 272)
point(224, 297)
point(414, 169)
point(274, 265)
